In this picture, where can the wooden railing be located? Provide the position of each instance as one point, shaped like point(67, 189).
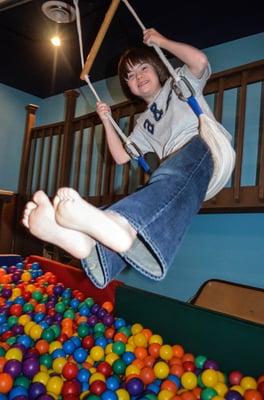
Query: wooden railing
point(74, 152)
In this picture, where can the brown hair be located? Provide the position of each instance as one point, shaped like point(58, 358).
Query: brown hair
point(135, 56)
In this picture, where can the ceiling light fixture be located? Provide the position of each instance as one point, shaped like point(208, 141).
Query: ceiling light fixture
point(59, 11)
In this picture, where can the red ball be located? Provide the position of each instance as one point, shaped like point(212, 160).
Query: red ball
point(70, 370)
point(261, 388)
point(235, 377)
point(189, 366)
point(88, 342)
point(71, 388)
point(16, 309)
point(97, 387)
point(104, 368)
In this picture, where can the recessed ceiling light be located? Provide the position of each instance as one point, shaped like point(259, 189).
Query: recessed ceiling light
point(59, 11)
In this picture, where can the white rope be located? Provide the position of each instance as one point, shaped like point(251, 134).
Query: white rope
point(87, 79)
point(210, 130)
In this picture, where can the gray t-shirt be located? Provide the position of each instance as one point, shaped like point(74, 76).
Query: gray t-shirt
point(169, 123)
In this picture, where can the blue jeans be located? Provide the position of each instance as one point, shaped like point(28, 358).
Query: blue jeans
point(160, 212)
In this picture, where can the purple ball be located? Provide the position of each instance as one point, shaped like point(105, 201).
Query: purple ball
point(211, 364)
point(17, 330)
point(135, 386)
point(6, 292)
point(108, 319)
point(45, 397)
point(92, 320)
point(95, 308)
point(13, 368)
point(30, 367)
point(36, 389)
point(101, 313)
point(233, 395)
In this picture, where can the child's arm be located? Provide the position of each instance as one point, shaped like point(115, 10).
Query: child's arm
point(195, 59)
point(115, 144)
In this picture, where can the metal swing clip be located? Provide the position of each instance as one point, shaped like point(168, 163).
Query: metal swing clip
point(178, 90)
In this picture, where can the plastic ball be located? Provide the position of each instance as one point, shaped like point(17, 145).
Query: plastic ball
point(189, 380)
point(135, 387)
point(161, 370)
point(6, 382)
point(209, 377)
point(36, 389)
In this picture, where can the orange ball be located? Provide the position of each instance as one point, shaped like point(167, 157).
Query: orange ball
point(149, 361)
point(169, 385)
point(108, 306)
point(6, 382)
point(177, 370)
point(188, 357)
point(42, 346)
point(139, 363)
point(141, 352)
point(187, 395)
point(178, 350)
point(3, 360)
point(120, 336)
point(252, 394)
point(147, 375)
point(154, 349)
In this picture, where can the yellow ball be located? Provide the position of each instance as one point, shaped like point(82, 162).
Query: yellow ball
point(54, 385)
point(24, 319)
point(156, 339)
point(221, 377)
point(26, 276)
point(14, 354)
point(35, 332)
point(209, 378)
point(111, 358)
point(55, 345)
point(132, 370)
point(97, 376)
point(28, 326)
point(165, 394)
point(238, 389)
point(122, 394)
point(41, 377)
point(108, 348)
point(189, 380)
point(97, 353)
point(166, 352)
point(58, 364)
point(140, 340)
point(136, 328)
point(247, 382)
point(221, 389)
point(130, 347)
point(161, 370)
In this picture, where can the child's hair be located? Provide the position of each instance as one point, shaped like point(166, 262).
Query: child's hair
point(135, 56)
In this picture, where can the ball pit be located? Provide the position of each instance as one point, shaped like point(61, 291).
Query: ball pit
point(56, 343)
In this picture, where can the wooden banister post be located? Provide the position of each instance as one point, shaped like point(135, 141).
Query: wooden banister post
point(66, 160)
point(30, 123)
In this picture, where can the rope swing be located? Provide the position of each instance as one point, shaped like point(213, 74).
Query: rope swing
point(211, 131)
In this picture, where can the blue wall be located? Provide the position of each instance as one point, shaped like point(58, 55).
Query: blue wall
point(225, 246)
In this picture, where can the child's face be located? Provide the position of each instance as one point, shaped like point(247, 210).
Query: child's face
point(143, 81)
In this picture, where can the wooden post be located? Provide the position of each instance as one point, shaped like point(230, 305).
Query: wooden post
point(67, 153)
point(30, 123)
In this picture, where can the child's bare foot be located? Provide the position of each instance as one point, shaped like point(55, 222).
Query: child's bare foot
point(110, 229)
point(39, 218)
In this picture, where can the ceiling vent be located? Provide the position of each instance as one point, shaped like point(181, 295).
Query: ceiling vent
point(59, 11)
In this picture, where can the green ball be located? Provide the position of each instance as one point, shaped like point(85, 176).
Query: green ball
point(99, 327)
point(37, 295)
point(69, 314)
point(12, 320)
point(22, 381)
point(199, 361)
point(56, 329)
point(46, 360)
point(60, 307)
point(119, 367)
point(119, 348)
point(48, 334)
point(2, 352)
point(28, 307)
point(126, 330)
point(89, 302)
point(83, 330)
point(11, 340)
point(208, 393)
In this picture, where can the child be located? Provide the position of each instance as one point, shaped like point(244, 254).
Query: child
point(143, 230)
